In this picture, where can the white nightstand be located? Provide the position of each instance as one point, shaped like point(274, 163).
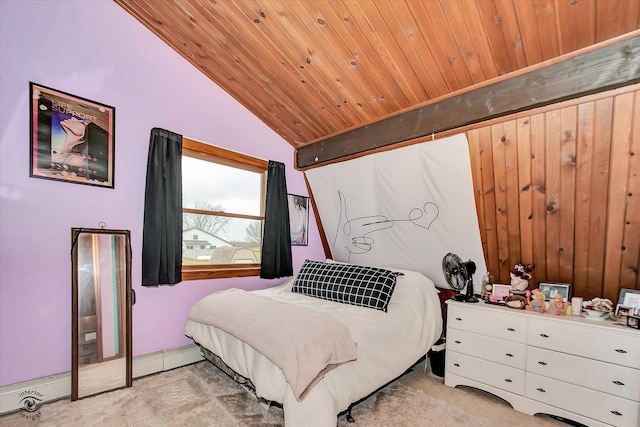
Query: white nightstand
point(584, 370)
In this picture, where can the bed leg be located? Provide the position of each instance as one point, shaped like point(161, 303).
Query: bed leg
point(349, 417)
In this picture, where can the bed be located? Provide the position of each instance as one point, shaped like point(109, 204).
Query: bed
point(388, 339)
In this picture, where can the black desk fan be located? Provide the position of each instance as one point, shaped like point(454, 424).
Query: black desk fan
point(459, 274)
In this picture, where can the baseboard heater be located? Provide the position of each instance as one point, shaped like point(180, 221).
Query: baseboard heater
point(56, 387)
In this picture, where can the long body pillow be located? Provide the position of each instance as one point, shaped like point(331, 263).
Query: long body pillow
point(346, 283)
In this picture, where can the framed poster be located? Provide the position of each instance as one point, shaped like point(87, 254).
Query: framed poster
point(72, 138)
point(299, 219)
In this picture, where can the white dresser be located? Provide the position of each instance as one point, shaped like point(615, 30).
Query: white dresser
point(584, 370)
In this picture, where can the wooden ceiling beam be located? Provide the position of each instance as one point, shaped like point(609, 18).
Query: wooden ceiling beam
point(609, 67)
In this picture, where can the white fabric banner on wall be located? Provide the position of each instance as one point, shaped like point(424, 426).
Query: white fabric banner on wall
point(404, 208)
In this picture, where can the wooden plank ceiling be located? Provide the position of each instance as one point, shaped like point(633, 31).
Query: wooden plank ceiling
point(313, 69)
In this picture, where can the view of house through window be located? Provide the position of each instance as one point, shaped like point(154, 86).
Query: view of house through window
point(223, 212)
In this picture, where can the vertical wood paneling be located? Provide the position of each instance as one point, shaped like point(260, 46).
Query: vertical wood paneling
point(623, 108)
point(567, 193)
point(584, 153)
point(476, 174)
point(500, 184)
point(489, 201)
point(599, 193)
point(631, 256)
point(560, 188)
point(553, 151)
point(513, 191)
point(525, 200)
point(539, 196)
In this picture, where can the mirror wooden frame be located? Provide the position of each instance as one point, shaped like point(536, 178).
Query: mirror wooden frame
point(121, 278)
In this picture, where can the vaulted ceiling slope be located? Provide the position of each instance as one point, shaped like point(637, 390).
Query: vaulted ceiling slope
point(312, 69)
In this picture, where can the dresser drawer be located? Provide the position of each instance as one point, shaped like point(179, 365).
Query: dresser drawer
point(608, 345)
point(492, 323)
point(502, 377)
point(613, 379)
point(503, 352)
point(590, 403)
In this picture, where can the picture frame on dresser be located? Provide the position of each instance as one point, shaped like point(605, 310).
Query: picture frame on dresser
point(500, 292)
point(623, 310)
point(629, 298)
point(550, 289)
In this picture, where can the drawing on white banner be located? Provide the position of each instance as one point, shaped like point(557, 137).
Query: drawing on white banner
point(358, 231)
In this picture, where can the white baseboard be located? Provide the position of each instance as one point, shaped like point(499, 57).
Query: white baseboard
point(58, 386)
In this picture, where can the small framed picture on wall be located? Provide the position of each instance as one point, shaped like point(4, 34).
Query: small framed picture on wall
point(299, 219)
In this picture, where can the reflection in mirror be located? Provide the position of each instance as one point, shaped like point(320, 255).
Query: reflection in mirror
point(101, 315)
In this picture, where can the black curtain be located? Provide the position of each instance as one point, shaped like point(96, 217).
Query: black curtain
point(276, 240)
point(162, 230)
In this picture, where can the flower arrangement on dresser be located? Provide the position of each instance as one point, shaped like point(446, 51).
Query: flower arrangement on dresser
point(520, 276)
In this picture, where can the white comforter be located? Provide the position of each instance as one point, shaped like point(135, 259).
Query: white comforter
point(388, 344)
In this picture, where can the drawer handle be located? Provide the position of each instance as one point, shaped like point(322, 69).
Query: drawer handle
point(546, 336)
point(458, 319)
point(456, 364)
point(616, 413)
point(508, 354)
point(542, 363)
point(619, 350)
point(511, 330)
point(541, 390)
point(457, 342)
point(617, 383)
point(508, 380)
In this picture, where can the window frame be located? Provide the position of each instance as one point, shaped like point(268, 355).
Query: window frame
point(210, 153)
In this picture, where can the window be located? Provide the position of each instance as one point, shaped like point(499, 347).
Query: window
point(223, 195)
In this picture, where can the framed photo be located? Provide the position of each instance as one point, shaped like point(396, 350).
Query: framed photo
point(72, 138)
point(550, 289)
point(500, 292)
point(623, 310)
point(630, 298)
point(299, 219)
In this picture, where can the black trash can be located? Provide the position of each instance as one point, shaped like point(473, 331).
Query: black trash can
point(436, 357)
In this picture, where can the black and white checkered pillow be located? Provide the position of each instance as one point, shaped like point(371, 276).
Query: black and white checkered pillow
point(346, 283)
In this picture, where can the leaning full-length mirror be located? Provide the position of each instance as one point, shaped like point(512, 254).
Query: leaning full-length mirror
point(101, 311)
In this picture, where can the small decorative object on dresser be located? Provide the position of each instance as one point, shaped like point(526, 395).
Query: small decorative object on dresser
point(520, 276)
point(557, 306)
point(535, 301)
point(597, 309)
point(515, 301)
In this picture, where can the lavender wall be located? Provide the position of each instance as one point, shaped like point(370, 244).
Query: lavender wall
point(97, 51)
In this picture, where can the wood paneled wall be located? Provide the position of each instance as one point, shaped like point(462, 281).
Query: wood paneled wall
point(560, 187)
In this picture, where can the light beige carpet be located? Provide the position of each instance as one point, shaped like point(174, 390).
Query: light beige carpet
point(201, 395)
